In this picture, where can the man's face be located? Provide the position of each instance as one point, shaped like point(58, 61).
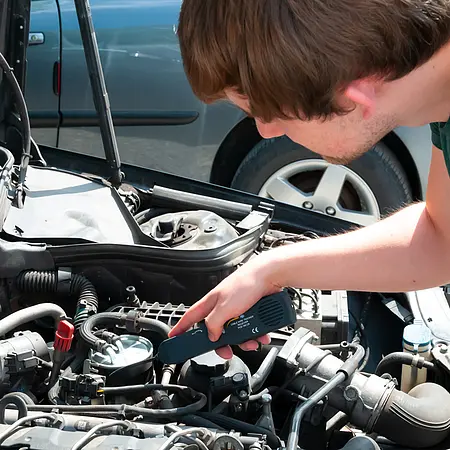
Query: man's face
point(338, 140)
point(377, 107)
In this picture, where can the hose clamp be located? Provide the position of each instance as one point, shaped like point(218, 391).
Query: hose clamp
point(132, 321)
point(417, 361)
point(64, 281)
point(379, 407)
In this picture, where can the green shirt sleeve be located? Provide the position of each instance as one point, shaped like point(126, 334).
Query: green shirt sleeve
point(440, 137)
point(436, 138)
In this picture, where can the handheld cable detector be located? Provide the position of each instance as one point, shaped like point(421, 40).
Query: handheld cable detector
point(269, 314)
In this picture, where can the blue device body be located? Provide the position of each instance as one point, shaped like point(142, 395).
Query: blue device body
point(269, 314)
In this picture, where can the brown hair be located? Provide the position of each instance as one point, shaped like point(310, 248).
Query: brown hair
point(290, 57)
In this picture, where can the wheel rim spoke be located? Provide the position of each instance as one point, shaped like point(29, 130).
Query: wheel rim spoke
point(280, 189)
point(330, 187)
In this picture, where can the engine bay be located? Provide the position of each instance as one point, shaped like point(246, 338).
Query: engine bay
point(95, 283)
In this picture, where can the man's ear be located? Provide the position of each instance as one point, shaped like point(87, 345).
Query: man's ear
point(363, 94)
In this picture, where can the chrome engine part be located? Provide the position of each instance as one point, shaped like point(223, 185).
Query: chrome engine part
point(191, 230)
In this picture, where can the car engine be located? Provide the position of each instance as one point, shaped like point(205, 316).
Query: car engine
point(93, 279)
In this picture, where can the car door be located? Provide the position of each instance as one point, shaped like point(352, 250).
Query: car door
point(146, 84)
point(43, 62)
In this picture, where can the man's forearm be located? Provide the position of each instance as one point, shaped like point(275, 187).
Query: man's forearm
point(401, 253)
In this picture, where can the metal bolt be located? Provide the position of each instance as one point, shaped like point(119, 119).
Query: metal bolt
point(237, 377)
point(330, 211)
point(443, 349)
point(308, 205)
point(351, 393)
point(242, 395)
point(210, 226)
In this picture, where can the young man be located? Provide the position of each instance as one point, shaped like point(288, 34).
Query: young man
point(335, 76)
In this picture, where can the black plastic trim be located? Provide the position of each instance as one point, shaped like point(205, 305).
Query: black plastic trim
point(126, 118)
point(167, 260)
point(44, 119)
point(120, 119)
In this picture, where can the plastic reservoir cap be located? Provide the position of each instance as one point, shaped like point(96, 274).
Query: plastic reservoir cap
point(64, 336)
point(416, 334)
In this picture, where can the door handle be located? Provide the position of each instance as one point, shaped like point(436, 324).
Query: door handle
point(36, 38)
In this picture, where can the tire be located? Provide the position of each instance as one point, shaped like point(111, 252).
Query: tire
point(372, 187)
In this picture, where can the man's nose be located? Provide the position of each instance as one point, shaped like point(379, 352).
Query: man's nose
point(269, 130)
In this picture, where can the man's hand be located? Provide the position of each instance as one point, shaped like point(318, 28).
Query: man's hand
point(233, 296)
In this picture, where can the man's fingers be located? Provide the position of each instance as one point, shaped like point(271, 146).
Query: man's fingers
point(254, 344)
point(193, 315)
point(225, 352)
point(249, 346)
point(215, 322)
point(265, 340)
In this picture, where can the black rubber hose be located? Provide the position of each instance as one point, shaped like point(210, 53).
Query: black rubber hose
point(194, 420)
point(229, 423)
point(352, 363)
point(19, 401)
point(127, 409)
point(108, 319)
point(47, 282)
point(154, 325)
point(400, 358)
point(87, 304)
point(26, 315)
point(260, 376)
point(419, 419)
point(144, 389)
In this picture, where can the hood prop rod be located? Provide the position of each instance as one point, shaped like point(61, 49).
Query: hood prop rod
point(99, 92)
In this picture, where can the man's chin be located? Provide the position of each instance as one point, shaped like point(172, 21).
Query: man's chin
point(340, 161)
point(344, 160)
